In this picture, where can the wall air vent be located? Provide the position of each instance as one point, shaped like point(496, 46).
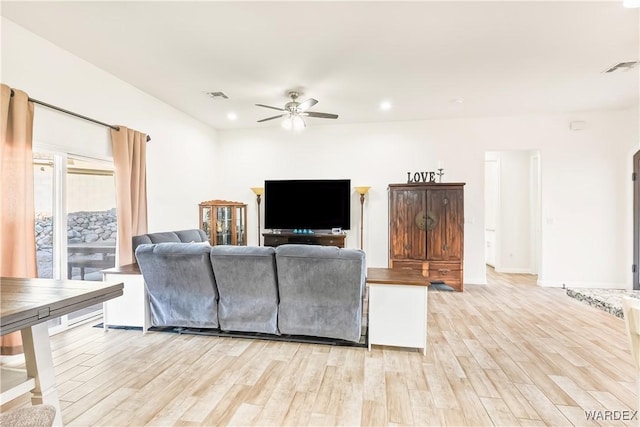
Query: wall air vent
point(622, 66)
point(217, 95)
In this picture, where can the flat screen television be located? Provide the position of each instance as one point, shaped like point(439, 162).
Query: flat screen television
point(318, 204)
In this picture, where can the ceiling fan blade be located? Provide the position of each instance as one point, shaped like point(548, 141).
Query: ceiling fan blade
point(271, 118)
point(307, 104)
point(321, 115)
point(268, 106)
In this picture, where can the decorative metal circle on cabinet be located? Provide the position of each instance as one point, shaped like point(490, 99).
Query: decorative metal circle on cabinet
point(426, 221)
point(432, 220)
point(421, 220)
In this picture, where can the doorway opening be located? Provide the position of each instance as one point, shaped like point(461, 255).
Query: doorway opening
point(513, 211)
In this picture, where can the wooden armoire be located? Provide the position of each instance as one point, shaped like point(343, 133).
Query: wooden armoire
point(426, 230)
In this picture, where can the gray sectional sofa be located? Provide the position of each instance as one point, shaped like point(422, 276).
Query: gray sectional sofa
point(308, 290)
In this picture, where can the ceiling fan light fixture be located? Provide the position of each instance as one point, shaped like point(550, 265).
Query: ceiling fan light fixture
point(298, 123)
point(293, 122)
point(294, 111)
point(287, 123)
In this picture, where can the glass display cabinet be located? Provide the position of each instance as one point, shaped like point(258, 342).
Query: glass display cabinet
point(224, 222)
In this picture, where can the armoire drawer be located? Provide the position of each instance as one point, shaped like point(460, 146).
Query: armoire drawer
point(445, 274)
point(449, 273)
point(413, 264)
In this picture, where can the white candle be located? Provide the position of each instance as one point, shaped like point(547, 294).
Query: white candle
point(440, 164)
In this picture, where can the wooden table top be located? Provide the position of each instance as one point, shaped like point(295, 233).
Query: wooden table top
point(26, 302)
point(123, 269)
point(397, 276)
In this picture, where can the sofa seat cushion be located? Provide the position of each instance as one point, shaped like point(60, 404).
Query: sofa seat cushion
point(246, 281)
point(180, 283)
point(321, 289)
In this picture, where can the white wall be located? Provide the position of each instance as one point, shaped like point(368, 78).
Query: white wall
point(180, 156)
point(586, 230)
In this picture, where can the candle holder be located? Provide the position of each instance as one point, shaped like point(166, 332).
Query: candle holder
point(440, 173)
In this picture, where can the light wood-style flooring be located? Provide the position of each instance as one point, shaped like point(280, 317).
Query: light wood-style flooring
point(509, 353)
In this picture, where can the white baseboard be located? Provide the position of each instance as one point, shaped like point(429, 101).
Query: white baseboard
point(475, 281)
point(585, 285)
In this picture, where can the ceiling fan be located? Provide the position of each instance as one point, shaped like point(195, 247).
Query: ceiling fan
point(294, 112)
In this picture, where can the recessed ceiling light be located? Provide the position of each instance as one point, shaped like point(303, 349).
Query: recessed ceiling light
point(232, 116)
point(385, 105)
point(457, 100)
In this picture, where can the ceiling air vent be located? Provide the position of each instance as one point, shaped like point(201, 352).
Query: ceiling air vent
point(622, 66)
point(217, 95)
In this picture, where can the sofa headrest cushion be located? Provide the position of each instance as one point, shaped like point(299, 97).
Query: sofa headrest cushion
point(254, 251)
point(193, 235)
point(318, 252)
point(173, 249)
point(184, 236)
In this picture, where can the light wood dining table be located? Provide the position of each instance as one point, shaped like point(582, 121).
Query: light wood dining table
point(26, 305)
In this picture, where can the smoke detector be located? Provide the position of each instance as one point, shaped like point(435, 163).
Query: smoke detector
point(621, 66)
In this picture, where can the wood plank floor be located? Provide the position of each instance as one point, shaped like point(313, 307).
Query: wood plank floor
point(509, 353)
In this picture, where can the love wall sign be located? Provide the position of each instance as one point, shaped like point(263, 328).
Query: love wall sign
point(413, 177)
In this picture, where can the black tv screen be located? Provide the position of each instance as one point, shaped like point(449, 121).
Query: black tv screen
point(319, 204)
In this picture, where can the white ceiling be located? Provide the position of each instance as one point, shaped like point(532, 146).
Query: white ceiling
point(501, 58)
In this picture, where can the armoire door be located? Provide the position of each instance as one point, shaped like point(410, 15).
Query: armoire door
point(407, 212)
point(445, 224)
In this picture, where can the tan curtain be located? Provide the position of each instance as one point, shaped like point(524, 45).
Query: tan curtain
point(129, 158)
point(17, 214)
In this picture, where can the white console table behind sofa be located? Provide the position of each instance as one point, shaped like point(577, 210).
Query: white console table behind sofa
point(397, 307)
point(132, 308)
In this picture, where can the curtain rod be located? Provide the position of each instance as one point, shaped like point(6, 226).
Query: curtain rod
point(53, 107)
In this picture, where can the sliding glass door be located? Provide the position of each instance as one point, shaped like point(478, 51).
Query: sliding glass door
point(76, 226)
point(43, 199)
